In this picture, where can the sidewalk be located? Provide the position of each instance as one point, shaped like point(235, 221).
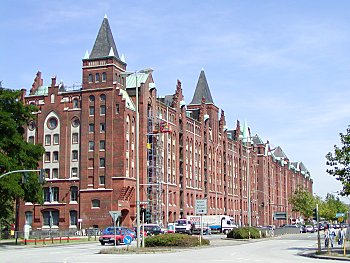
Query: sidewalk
point(334, 254)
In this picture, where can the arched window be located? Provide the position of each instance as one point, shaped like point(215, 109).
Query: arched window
point(50, 218)
point(90, 78)
point(103, 97)
point(104, 77)
point(91, 98)
point(73, 218)
point(75, 103)
point(74, 193)
point(97, 77)
point(29, 218)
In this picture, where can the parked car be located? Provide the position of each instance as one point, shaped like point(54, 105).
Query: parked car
point(309, 228)
point(108, 238)
point(152, 229)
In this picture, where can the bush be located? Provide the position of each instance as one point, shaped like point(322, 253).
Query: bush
point(174, 240)
point(244, 233)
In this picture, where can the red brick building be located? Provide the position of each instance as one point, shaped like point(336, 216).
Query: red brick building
point(186, 152)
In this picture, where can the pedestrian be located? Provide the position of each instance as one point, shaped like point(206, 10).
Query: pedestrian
point(331, 235)
point(341, 236)
point(326, 237)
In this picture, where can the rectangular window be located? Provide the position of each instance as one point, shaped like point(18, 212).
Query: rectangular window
point(102, 162)
point(117, 109)
point(47, 195)
point(47, 156)
point(47, 139)
point(75, 138)
point(75, 155)
point(56, 139)
point(91, 127)
point(55, 173)
point(102, 145)
point(31, 139)
point(90, 78)
point(55, 194)
point(102, 127)
point(74, 172)
point(91, 110)
point(74, 193)
point(73, 215)
point(55, 156)
point(102, 180)
point(47, 173)
point(91, 145)
point(102, 110)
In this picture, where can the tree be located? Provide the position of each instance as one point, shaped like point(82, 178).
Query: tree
point(339, 162)
point(16, 154)
point(303, 201)
point(332, 206)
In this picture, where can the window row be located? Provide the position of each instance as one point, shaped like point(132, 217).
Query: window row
point(51, 194)
point(92, 127)
point(54, 174)
point(102, 110)
point(102, 145)
point(52, 139)
point(51, 218)
point(98, 77)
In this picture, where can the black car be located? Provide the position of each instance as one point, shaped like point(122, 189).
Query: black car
point(152, 229)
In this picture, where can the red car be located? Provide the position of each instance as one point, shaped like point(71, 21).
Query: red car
point(108, 238)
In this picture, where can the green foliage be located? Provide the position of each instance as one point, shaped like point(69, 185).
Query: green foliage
point(339, 162)
point(244, 233)
point(174, 240)
point(303, 201)
point(331, 206)
point(16, 154)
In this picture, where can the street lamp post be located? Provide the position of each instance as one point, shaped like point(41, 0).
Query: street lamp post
point(216, 183)
point(138, 223)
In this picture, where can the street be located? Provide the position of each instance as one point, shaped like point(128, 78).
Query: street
point(275, 250)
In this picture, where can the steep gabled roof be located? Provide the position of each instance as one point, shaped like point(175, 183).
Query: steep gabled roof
point(278, 152)
point(257, 139)
point(202, 91)
point(104, 44)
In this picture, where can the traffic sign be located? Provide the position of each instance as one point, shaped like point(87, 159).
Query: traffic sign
point(127, 240)
point(339, 215)
point(201, 207)
point(115, 214)
point(280, 215)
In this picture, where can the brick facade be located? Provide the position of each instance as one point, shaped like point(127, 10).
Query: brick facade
point(92, 165)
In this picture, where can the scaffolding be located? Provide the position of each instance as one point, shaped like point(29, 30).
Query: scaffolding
point(154, 210)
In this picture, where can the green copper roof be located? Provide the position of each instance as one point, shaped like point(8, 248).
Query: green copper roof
point(137, 77)
point(42, 90)
point(104, 44)
point(202, 91)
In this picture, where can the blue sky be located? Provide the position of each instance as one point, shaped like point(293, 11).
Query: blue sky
point(283, 66)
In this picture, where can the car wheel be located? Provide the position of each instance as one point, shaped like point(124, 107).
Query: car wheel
point(102, 243)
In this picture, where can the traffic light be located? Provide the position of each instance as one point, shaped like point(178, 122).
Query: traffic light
point(148, 216)
point(42, 176)
point(25, 177)
point(314, 214)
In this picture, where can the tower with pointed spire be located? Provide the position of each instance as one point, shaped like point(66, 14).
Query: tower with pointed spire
point(202, 92)
point(103, 65)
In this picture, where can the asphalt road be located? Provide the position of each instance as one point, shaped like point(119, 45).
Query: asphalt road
point(275, 250)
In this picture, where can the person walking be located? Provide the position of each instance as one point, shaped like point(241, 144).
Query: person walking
point(326, 237)
point(341, 236)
